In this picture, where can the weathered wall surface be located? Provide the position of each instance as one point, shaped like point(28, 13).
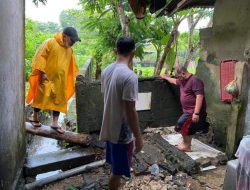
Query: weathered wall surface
point(227, 39)
point(165, 107)
point(230, 33)
point(12, 135)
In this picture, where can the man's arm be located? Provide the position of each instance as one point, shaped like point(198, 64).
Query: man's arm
point(169, 79)
point(197, 109)
point(133, 122)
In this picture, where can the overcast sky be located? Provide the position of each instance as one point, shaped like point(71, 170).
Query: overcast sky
point(51, 11)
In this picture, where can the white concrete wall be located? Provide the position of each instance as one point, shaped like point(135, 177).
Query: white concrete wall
point(12, 133)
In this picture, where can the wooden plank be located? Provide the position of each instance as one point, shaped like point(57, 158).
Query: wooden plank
point(59, 160)
point(68, 136)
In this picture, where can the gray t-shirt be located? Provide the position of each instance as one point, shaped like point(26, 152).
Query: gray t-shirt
point(118, 83)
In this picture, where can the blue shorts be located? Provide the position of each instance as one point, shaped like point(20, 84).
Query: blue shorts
point(119, 156)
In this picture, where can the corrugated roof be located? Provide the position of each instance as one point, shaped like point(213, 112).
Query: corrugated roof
point(177, 5)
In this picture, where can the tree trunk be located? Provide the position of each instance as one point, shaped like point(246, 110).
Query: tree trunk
point(189, 53)
point(158, 51)
point(166, 50)
point(98, 70)
point(123, 19)
point(191, 26)
point(47, 131)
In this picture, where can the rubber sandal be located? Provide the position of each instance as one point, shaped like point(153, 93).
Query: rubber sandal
point(58, 129)
point(34, 123)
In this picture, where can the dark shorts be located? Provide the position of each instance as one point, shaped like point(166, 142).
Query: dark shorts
point(120, 157)
point(186, 127)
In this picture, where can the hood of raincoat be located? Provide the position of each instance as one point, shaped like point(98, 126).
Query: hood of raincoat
point(59, 38)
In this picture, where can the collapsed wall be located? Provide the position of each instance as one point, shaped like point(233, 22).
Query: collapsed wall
point(164, 108)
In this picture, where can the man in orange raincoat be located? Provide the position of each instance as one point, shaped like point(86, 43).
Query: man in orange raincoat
point(53, 75)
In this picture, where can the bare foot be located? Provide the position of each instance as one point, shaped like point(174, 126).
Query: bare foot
point(180, 144)
point(184, 147)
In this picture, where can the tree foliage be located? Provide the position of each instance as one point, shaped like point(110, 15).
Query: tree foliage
point(100, 22)
point(35, 34)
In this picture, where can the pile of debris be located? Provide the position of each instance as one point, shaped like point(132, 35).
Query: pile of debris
point(159, 181)
point(160, 165)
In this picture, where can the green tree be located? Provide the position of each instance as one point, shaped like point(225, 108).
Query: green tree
point(103, 22)
point(49, 27)
point(194, 16)
point(33, 38)
point(111, 19)
point(170, 49)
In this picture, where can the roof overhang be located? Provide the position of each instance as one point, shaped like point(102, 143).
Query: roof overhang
point(166, 7)
point(178, 5)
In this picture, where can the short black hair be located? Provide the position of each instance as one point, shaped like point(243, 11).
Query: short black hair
point(125, 45)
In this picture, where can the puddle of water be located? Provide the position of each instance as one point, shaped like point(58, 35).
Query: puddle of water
point(47, 145)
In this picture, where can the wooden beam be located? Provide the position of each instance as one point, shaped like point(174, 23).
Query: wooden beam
point(68, 136)
point(179, 6)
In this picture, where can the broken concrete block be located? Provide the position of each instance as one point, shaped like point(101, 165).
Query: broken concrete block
point(141, 168)
point(169, 167)
point(204, 162)
point(184, 162)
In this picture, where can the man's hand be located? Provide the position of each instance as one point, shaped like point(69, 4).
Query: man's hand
point(43, 78)
point(168, 78)
point(164, 76)
point(138, 144)
point(195, 118)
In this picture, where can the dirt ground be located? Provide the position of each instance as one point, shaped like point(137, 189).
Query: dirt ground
point(98, 179)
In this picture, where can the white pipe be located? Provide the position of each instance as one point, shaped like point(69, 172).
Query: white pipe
point(63, 175)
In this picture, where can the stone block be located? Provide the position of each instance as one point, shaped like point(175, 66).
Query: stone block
point(59, 160)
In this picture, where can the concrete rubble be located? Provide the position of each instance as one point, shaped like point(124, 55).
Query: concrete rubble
point(167, 175)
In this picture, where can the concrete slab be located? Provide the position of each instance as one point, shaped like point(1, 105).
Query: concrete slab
point(59, 160)
point(199, 149)
point(231, 175)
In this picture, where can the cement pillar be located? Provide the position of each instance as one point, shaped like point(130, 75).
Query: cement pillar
point(12, 133)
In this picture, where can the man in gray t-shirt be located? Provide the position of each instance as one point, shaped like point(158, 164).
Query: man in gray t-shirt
point(120, 125)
